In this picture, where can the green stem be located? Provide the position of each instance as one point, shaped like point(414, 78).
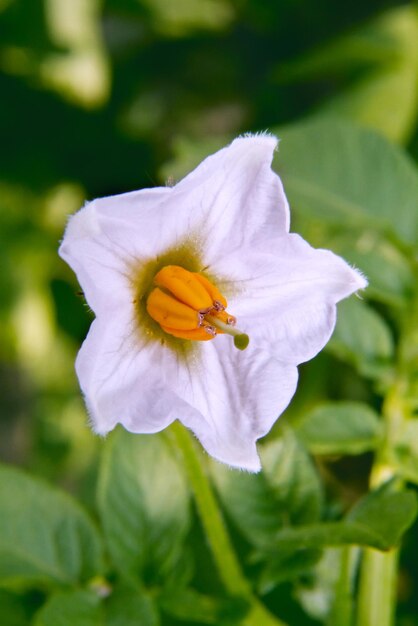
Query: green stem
point(342, 607)
point(224, 556)
point(379, 570)
point(378, 588)
point(377, 593)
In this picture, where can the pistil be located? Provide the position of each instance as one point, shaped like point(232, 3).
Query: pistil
point(241, 340)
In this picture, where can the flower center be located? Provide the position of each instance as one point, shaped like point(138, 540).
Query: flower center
point(187, 305)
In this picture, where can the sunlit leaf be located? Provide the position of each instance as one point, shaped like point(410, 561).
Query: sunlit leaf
point(187, 16)
point(379, 64)
point(372, 99)
point(349, 176)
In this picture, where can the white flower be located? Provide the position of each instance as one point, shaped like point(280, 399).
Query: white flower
point(228, 222)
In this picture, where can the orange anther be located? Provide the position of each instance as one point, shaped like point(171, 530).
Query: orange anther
point(185, 286)
point(187, 305)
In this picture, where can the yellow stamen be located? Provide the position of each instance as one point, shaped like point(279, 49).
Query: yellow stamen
point(197, 334)
point(185, 286)
point(170, 312)
point(187, 305)
point(213, 291)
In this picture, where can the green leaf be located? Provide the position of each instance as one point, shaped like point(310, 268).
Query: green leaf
point(247, 499)
point(388, 270)
point(370, 101)
point(386, 513)
point(73, 608)
point(390, 275)
point(293, 478)
point(340, 428)
point(359, 50)
point(187, 605)
point(378, 520)
point(287, 491)
point(143, 500)
point(286, 567)
point(123, 607)
point(130, 607)
point(350, 177)
point(12, 611)
point(185, 18)
point(362, 338)
point(44, 535)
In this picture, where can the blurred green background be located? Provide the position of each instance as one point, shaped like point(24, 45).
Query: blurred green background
point(99, 97)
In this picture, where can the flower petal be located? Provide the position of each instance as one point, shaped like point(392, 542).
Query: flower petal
point(234, 195)
point(107, 237)
point(236, 397)
point(285, 298)
point(229, 199)
point(119, 384)
point(145, 388)
point(233, 209)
